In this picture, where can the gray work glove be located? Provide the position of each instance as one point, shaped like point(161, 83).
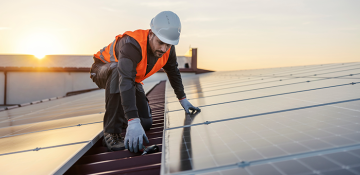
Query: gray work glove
point(134, 136)
point(188, 106)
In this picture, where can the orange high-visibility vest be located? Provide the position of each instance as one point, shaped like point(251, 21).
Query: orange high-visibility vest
point(107, 54)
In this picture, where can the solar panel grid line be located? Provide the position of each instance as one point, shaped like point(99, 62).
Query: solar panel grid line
point(346, 77)
point(54, 114)
point(47, 147)
point(264, 139)
point(58, 111)
point(292, 72)
point(321, 103)
point(292, 75)
point(250, 113)
point(266, 113)
point(49, 138)
point(164, 142)
point(300, 155)
point(51, 107)
point(308, 81)
point(297, 141)
point(339, 164)
point(225, 81)
point(47, 125)
point(212, 81)
point(310, 75)
point(35, 117)
point(266, 87)
point(352, 83)
point(275, 144)
point(351, 137)
point(254, 98)
point(330, 170)
point(55, 110)
point(50, 103)
point(245, 164)
point(315, 76)
point(78, 125)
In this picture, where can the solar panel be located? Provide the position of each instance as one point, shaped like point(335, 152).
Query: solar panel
point(261, 126)
point(49, 137)
point(50, 125)
point(60, 108)
point(46, 161)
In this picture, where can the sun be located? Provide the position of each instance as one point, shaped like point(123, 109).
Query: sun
point(40, 44)
point(40, 56)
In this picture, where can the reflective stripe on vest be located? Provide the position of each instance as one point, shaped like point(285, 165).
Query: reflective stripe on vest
point(107, 54)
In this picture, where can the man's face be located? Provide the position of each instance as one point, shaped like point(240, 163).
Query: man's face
point(158, 47)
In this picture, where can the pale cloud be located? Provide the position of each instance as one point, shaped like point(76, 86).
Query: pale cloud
point(108, 9)
point(162, 4)
point(51, 29)
point(5, 28)
point(201, 19)
point(349, 29)
point(259, 17)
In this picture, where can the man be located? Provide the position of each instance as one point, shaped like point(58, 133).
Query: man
point(121, 67)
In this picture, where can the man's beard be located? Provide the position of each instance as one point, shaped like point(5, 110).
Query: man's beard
point(158, 54)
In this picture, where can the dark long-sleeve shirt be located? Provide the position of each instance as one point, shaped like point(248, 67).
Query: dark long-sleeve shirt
point(128, 52)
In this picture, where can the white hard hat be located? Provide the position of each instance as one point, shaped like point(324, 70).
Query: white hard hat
point(167, 27)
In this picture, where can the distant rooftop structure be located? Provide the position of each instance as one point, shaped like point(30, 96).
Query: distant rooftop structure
point(79, 61)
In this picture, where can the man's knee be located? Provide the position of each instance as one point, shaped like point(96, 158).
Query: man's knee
point(146, 123)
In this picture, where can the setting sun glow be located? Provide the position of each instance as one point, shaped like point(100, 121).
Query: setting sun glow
point(40, 56)
point(40, 44)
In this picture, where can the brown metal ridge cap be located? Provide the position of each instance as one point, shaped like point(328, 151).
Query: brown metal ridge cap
point(136, 170)
point(189, 70)
point(99, 161)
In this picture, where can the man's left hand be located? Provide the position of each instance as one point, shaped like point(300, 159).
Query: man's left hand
point(188, 106)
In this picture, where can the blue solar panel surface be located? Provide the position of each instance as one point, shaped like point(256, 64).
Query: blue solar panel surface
point(294, 120)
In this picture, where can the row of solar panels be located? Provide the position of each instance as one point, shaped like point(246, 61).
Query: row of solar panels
point(294, 120)
point(47, 138)
point(266, 121)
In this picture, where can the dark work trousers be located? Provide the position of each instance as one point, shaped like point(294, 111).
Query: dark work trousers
point(106, 77)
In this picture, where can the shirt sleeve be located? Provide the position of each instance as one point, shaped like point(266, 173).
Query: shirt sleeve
point(128, 53)
point(173, 73)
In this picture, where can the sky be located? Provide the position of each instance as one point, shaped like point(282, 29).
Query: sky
point(229, 34)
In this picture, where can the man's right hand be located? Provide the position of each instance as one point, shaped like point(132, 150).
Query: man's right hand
point(135, 135)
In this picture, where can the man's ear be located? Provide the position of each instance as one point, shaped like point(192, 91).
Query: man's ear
point(151, 34)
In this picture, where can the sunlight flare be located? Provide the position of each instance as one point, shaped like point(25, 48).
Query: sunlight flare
point(39, 56)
